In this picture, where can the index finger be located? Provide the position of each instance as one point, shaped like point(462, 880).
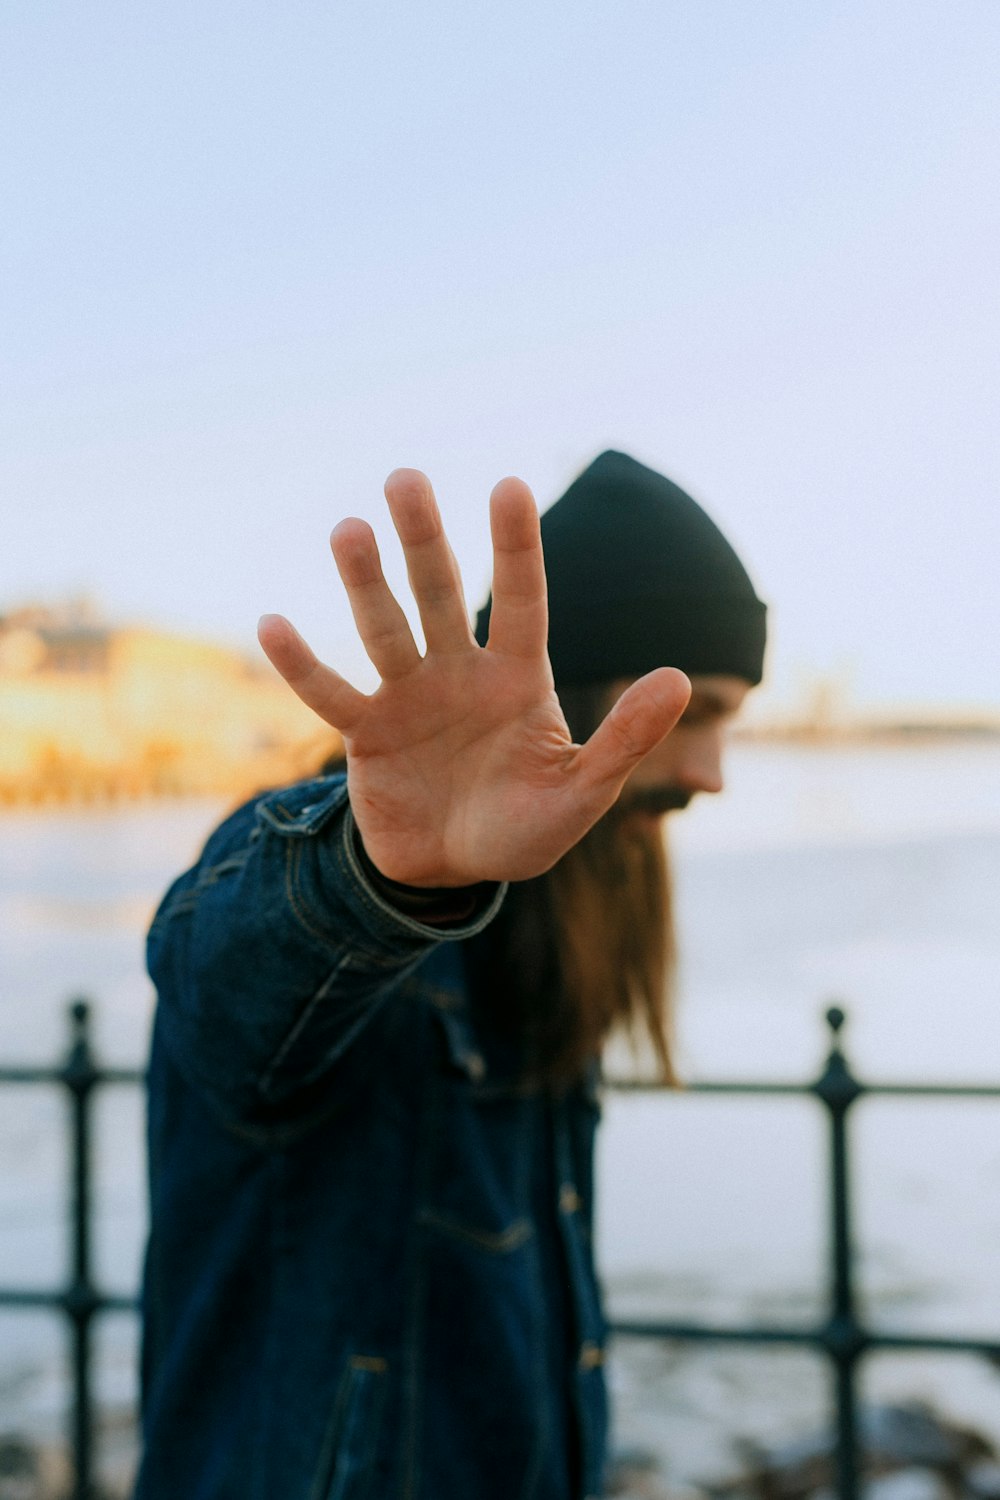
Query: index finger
point(519, 618)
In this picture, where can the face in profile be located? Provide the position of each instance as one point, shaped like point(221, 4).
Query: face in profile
point(689, 760)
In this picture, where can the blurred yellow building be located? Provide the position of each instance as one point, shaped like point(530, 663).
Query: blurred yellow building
point(92, 712)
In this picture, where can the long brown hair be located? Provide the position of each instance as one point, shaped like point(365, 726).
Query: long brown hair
point(587, 949)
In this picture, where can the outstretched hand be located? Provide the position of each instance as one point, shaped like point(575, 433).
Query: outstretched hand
point(460, 765)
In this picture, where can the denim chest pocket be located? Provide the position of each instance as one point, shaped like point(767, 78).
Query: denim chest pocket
point(481, 1147)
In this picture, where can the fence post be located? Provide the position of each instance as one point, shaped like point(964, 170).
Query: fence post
point(79, 1076)
point(844, 1338)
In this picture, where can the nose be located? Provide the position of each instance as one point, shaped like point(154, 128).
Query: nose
point(699, 768)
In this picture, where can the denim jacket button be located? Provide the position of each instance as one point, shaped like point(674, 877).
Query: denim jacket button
point(570, 1201)
point(591, 1356)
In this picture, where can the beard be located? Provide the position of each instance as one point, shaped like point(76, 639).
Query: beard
point(652, 801)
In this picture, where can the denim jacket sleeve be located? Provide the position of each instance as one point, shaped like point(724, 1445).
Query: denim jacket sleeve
point(272, 953)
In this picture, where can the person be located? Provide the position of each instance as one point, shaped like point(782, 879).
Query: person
point(383, 995)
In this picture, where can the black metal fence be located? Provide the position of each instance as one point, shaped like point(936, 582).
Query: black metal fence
point(841, 1336)
point(79, 1301)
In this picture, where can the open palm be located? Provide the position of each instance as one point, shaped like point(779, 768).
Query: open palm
point(460, 765)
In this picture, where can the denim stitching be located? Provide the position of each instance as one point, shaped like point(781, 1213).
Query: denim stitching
point(363, 1372)
point(328, 1451)
point(308, 820)
point(212, 873)
point(370, 898)
point(184, 901)
point(293, 857)
point(378, 907)
point(294, 854)
point(500, 1243)
point(299, 1026)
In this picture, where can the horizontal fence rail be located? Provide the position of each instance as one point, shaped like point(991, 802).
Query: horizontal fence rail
point(842, 1336)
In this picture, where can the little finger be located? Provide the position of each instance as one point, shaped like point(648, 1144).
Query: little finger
point(319, 687)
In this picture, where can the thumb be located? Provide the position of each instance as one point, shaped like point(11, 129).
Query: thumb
point(644, 714)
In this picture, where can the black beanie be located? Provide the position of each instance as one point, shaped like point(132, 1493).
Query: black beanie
point(640, 577)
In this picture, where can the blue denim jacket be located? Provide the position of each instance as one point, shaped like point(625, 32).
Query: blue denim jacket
point(369, 1274)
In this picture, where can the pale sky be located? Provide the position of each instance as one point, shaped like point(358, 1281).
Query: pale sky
point(252, 257)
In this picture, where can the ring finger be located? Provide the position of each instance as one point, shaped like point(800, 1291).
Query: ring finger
point(430, 562)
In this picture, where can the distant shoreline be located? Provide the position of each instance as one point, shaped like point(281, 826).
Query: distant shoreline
point(104, 793)
point(902, 736)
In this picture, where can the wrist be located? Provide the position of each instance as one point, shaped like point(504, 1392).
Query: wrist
point(435, 905)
